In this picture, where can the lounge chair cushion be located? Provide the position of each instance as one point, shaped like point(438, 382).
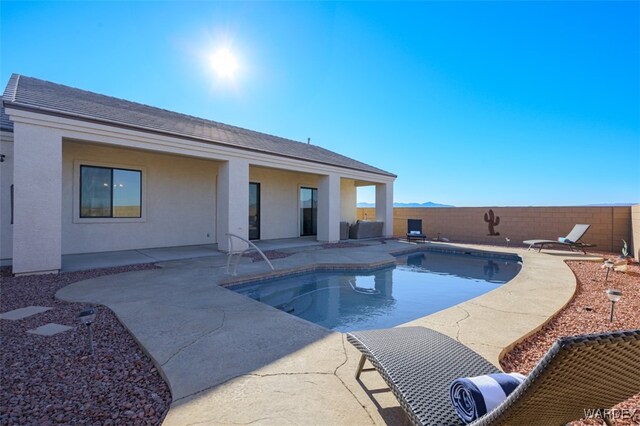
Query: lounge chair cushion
point(366, 229)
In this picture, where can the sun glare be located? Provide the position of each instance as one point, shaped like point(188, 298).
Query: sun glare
point(224, 63)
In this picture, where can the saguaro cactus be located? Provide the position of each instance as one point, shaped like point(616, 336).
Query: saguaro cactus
point(492, 220)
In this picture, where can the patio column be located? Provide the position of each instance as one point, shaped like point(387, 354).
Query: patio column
point(384, 207)
point(37, 179)
point(233, 203)
point(329, 208)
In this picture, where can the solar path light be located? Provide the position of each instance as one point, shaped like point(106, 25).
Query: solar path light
point(609, 265)
point(88, 317)
point(614, 296)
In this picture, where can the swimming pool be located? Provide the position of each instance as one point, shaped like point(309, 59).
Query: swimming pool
point(418, 285)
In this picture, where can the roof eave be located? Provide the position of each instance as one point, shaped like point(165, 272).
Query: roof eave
point(46, 111)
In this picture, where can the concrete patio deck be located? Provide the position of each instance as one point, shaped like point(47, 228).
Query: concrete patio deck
point(231, 360)
point(85, 261)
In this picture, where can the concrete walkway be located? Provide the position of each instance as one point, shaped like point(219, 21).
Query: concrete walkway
point(231, 360)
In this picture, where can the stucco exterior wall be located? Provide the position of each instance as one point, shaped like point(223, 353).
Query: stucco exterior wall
point(279, 200)
point(37, 178)
point(179, 206)
point(635, 232)
point(609, 225)
point(179, 200)
point(348, 200)
point(6, 180)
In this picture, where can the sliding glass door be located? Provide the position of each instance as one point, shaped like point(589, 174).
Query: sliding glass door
point(254, 211)
point(308, 211)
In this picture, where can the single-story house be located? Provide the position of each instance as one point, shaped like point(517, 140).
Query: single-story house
point(84, 173)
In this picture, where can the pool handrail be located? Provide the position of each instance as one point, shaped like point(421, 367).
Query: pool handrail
point(239, 253)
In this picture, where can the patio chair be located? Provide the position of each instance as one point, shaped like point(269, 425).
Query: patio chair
point(578, 373)
point(572, 240)
point(414, 230)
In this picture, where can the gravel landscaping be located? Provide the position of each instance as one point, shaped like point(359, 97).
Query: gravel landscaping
point(588, 312)
point(341, 245)
point(53, 380)
point(271, 255)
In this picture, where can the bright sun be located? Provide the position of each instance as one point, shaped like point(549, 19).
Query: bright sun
point(224, 63)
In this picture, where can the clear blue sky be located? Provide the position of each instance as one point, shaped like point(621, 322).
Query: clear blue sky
point(470, 104)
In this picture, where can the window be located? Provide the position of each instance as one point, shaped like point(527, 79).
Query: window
point(107, 192)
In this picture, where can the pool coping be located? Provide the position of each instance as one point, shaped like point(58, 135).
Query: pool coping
point(233, 281)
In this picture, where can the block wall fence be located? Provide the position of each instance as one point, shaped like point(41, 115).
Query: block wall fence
point(609, 225)
point(635, 229)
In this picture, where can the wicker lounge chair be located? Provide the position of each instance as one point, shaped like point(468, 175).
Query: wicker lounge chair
point(414, 230)
point(574, 237)
point(578, 373)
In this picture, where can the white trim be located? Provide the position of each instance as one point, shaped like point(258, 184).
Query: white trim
point(76, 192)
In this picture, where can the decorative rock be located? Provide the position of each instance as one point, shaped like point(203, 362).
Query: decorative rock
point(52, 381)
point(574, 319)
point(621, 268)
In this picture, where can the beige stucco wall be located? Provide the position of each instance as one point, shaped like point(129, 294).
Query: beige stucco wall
point(280, 204)
point(609, 225)
point(279, 199)
point(6, 180)
point(348, 200)
point(178, 201)
point(37, 178)
point(635, 229)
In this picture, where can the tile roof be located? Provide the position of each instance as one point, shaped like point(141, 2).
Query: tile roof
point(46, 97)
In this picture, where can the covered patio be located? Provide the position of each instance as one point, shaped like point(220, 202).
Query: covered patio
point(89, 173)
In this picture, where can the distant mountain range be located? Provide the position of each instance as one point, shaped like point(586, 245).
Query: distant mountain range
point(430, 204)
point(427, 204)
point(611, 205)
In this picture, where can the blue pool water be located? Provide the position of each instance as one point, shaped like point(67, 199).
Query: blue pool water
point(420, 284)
